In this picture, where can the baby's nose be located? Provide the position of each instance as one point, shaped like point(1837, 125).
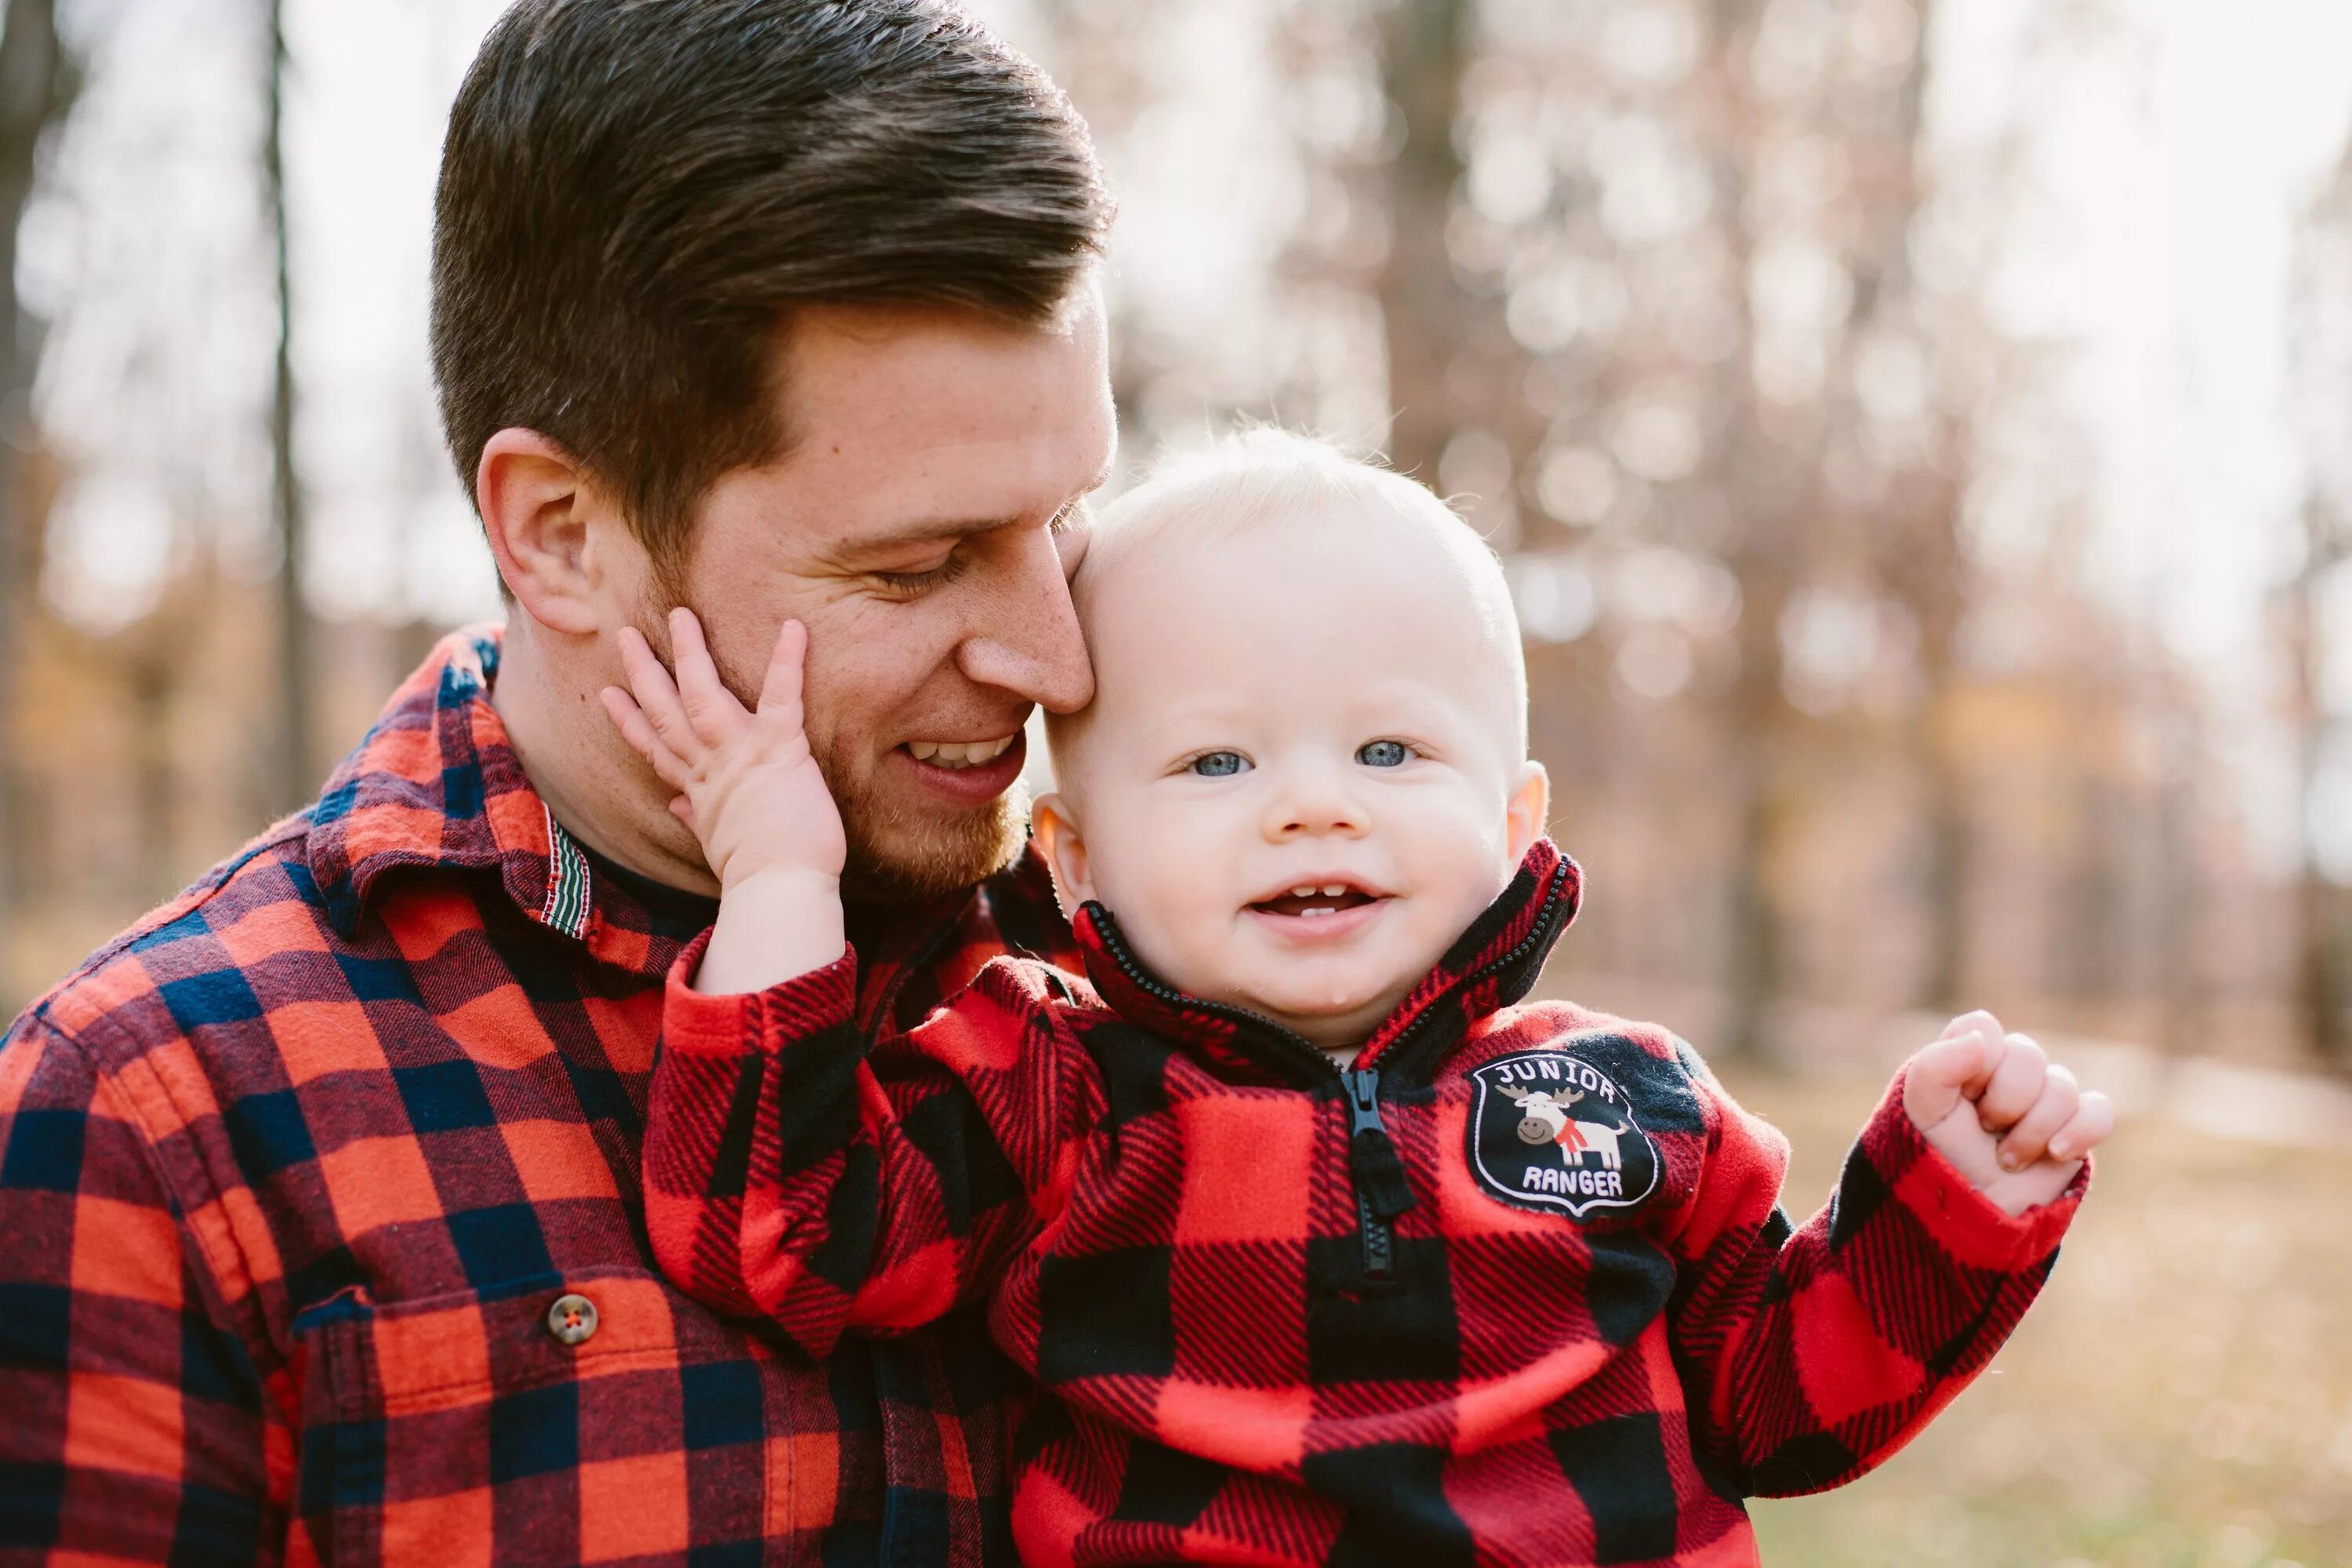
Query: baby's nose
point(1312, 801)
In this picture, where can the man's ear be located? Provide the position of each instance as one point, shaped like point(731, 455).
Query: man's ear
point(1065, 852)
point(548, 526)
point(1530, 809)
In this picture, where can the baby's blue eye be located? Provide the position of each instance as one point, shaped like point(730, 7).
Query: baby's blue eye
point(1383, 755)
point(1220, 764)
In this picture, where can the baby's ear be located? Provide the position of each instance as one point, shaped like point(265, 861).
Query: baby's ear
point(1065, 852)
point(1530, 809)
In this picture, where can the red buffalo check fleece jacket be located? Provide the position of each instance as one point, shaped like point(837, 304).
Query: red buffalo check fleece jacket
point(1514, 1289)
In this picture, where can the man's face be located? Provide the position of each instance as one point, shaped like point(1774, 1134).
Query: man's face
point(922, 525)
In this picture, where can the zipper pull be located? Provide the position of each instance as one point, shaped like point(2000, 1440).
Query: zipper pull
point(1380, 1173)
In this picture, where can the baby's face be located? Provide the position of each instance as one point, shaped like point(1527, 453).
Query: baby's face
point(1302, 776)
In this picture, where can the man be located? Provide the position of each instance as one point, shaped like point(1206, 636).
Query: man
point(319, 1185)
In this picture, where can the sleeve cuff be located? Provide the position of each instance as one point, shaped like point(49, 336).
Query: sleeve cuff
point(1973, 1228)
point(754, 1020)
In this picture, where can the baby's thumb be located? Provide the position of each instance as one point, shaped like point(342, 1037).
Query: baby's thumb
point(1938, 1077)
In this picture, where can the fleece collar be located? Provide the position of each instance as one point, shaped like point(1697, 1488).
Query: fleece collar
point(1493, 964)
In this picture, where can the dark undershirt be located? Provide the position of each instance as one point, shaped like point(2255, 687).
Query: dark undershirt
point(670, 912)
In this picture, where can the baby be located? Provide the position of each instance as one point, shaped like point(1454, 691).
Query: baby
point(1321, 1247)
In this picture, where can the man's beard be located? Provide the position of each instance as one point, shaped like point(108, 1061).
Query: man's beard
point(897, 858)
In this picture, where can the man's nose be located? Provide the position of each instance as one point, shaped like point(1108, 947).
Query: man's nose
point(1024, 637)
point(1311, 799)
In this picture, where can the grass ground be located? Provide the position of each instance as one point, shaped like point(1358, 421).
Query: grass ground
point(2179, 1397)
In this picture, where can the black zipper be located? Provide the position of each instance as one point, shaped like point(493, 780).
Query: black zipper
point(1381, 1191)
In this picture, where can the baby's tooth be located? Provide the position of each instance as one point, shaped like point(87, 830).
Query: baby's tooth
point(1309, 914)
point(923, 750)
point(1302, 892)
point(1335, 889)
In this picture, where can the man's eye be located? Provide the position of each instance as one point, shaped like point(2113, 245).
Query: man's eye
point(1219, 764)
point(909, 583)
point(1383, 753)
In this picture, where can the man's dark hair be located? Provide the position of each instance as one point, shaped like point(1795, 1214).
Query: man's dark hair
point(636, 193)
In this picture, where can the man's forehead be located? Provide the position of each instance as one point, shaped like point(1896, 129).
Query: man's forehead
point(849, 369)
point(927, 422)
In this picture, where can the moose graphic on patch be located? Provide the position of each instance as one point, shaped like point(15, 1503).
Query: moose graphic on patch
point(1550, 1132)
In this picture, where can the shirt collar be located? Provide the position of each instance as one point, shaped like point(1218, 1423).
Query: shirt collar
point(1493, 964)
point(437, 786)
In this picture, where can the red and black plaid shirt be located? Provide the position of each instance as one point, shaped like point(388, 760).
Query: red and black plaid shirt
point(298, 1176)
point(1513, 1289)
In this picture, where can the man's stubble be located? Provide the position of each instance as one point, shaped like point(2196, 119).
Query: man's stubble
point(897, 858)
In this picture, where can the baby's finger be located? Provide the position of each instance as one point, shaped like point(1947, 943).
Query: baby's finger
point(649, 683)
point(781, 688)
point(1939, 1076)
point(1972, 1023)
point(2051, 1109)
point(713, 711)
point(2016, 1083)
point(630, 719)
point(2094, 1119)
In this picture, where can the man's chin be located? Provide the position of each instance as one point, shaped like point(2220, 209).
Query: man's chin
point(899, 856)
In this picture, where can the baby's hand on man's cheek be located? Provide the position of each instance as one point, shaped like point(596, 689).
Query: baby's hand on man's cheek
point(2002, 1113)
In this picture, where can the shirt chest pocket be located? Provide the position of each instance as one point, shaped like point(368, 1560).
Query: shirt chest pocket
point(607, 1418)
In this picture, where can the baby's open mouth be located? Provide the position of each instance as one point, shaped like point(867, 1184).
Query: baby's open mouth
point(1311, 902)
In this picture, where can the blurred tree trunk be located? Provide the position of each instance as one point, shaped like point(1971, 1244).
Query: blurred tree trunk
point(297, 780)
point(1424, 48)
point(2320, 967)
point(1938, 598)
point(1757, 482)
point(2180, 880)
point(37, 85)
point(1927, 566)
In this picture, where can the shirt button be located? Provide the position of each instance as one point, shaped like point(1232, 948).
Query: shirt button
point(573, 1319)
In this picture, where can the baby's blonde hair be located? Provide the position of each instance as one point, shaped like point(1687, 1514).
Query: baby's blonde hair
point(1254, 480)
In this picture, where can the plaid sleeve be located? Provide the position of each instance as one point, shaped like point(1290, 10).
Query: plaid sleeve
point(1811, 1355)
point(135, 1429)
point(791, 1176)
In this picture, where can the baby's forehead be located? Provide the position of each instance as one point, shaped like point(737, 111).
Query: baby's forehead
point(1357, 551)
point(1365, 600)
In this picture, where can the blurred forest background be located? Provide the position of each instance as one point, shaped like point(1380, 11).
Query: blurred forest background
point(1920, 438)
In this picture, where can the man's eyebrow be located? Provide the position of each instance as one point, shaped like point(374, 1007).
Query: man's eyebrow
point(924, 530)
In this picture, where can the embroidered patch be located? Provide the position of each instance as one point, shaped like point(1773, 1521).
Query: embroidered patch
point(1549, 1132)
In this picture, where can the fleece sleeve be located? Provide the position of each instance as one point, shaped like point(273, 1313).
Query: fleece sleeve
point(795, 1175)
point(1809, 1354)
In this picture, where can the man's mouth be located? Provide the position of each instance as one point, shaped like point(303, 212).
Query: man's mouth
point(959, 755)
point(1316, 901)
point(962, 775)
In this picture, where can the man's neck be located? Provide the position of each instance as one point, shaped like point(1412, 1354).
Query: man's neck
point(554, 717)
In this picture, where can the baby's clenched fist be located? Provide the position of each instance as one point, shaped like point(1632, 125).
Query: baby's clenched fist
point(2007, 1118)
